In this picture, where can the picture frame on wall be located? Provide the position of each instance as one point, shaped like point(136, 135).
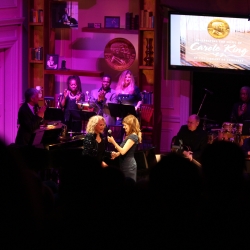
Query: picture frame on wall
point(52, 61)
point(112, 22)
point(64, 14)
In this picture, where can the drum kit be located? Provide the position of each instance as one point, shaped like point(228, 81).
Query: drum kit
point(228, 131)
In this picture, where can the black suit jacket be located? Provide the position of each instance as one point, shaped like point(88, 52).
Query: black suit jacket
point(196, 140)
point(244, 116)
point(28, 123)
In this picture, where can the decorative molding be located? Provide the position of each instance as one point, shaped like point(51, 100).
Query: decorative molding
point(4, 4)
point(10, 39)
point(12, 21)
point(184, 101)
point(166, 136)
point(171, 118)
point(167, 94)
point(184, 109)
point(8, 35)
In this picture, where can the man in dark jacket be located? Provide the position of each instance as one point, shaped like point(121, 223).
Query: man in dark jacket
point(192, 138)
point(30, 117)
point(241, 109)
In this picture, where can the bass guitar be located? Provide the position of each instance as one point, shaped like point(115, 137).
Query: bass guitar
point(179, 149)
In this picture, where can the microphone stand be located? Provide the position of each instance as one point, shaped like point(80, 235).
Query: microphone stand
point(202, 103)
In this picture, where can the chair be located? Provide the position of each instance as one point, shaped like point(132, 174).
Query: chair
point(147, 112)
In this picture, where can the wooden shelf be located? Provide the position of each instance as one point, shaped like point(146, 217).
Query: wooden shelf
point(36, 24)
point(145, 29)
point(106, 30)
point(146, 67)
point(73, 72)
point(36, 61)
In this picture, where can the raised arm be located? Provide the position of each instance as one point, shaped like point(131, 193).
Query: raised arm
point(122, 150)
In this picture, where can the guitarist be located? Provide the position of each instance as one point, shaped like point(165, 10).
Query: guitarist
point(193, 138)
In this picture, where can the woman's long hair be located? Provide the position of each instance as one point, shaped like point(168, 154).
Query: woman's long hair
point(134, 126)
point(93, 122)
point(120, 85)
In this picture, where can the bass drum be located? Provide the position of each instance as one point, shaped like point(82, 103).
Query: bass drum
point(225, 136)
point(228, 127)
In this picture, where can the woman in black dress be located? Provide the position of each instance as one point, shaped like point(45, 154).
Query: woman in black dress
point(128, 93)
point(71, 96)
point(94, 142)
point(128, 146)
point(126, 90)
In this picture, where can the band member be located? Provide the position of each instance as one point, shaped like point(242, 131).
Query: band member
point(99, 99)
point(192, 138)
point(241, 109)
point(71, 96)
point(126, 86)
point(30, 116)
point(127, 92)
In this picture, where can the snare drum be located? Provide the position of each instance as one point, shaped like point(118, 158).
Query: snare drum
point(227, 127)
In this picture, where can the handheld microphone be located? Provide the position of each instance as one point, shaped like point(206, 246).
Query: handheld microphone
point(109, 132)
point(208, 91)
point(59, 96)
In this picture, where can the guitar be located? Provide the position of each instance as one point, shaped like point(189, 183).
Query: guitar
point(179, 149)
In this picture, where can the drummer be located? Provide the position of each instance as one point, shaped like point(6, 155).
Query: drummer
point(68, 102)
point(241, 109)
point(100, 97)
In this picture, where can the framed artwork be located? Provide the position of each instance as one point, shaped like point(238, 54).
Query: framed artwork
point(112, 22)
point(64, 14)
point(119, 54)
point(52, 61)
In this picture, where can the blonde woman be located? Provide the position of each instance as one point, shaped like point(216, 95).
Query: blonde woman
point(128, 146)
point(126, 90)
point(94, 143)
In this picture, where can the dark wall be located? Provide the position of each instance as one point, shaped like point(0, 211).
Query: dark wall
point(225, 88)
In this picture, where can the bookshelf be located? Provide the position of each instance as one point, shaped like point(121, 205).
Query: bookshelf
point(149, 58)
point(38, 43)
point(41, 41)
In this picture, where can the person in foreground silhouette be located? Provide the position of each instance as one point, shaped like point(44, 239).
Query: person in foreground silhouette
point(225, 210)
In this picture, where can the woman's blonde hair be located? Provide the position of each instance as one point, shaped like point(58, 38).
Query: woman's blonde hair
point(134, 126)
point(93, 121)
point(130, 88)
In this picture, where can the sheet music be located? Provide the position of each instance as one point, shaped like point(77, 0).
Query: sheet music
point(38, 137)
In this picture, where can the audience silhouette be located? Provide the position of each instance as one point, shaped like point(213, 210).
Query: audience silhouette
point(179, 206)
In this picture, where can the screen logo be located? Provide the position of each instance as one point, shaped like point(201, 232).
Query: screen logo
point(218, 28)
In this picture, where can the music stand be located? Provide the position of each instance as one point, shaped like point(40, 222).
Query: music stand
point(81, 115)
point(121, 110)
point(53, 114)
point(45, 136)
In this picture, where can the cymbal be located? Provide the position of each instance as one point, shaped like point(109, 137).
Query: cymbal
point(206, 119)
